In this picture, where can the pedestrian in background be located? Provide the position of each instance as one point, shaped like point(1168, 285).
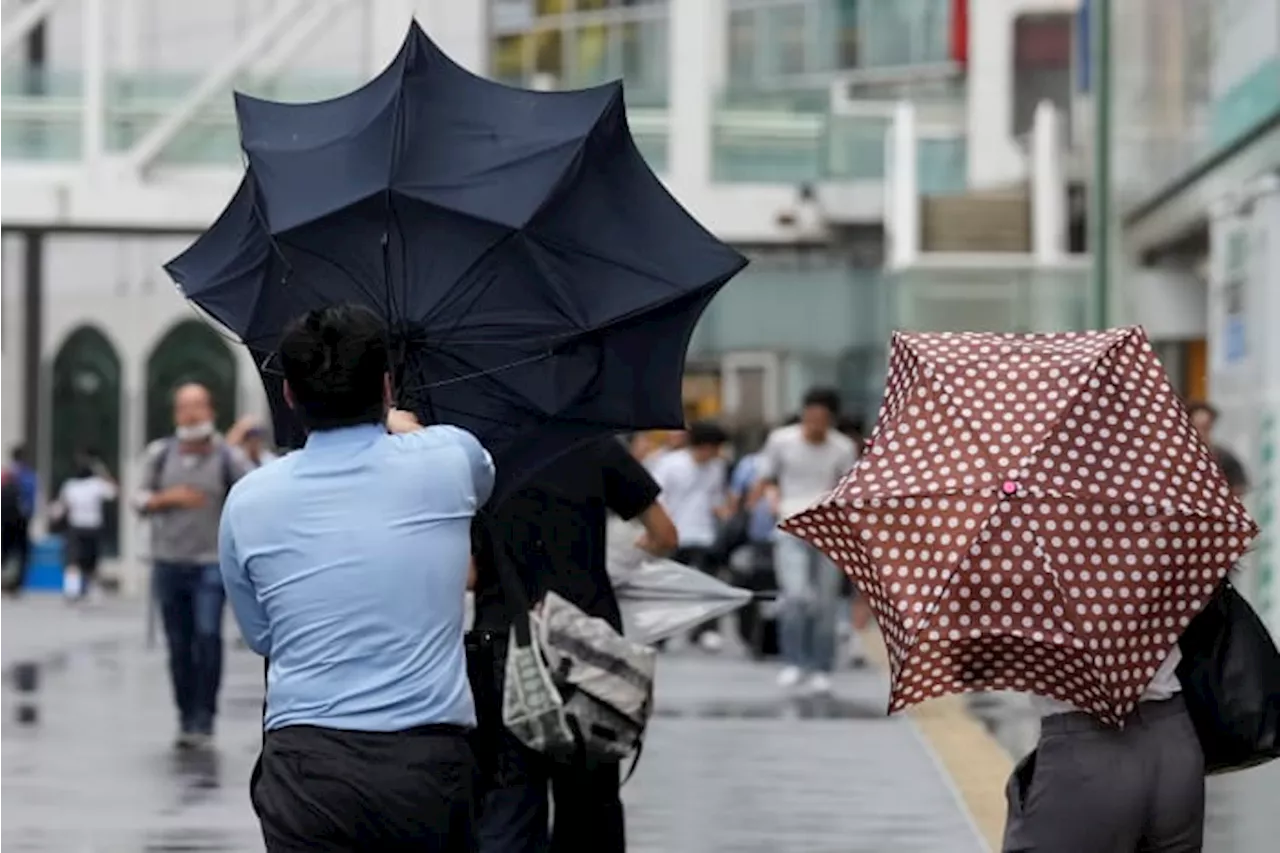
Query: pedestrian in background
point(1204, 417)
point(694, 483)
point(554, 528)
point(185, 480)
point(23, 493)
point(805, 461)
point(79, 507)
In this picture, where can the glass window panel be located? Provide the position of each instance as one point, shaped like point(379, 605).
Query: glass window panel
point(788, 31)
point(589, 55)
point(545, 8)
point(847, 33)
point(644, 61)
point(742, 45)
point(509, 60)
point(548, 53)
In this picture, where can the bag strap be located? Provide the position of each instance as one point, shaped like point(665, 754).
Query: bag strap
point(512, 589)
point(228, 467)
point(635, 759)
point(158, 463)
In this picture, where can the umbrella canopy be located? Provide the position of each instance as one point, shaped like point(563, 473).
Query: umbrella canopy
point(662, 598)
point(1033, 513)
point(539, 284)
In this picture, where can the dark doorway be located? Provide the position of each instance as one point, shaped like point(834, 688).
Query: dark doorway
point(87, 405)
point(189, 352)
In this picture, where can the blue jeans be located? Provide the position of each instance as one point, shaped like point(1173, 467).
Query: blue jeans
point(809, 587)
point(191, 599)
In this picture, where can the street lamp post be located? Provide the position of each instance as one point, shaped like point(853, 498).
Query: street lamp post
point(1100, 248)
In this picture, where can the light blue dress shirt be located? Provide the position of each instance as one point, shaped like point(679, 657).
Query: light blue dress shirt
point(346, 565)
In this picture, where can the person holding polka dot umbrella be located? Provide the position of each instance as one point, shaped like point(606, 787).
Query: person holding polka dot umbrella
point(1036, 512)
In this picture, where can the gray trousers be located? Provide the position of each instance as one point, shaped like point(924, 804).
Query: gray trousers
point(1088, 788)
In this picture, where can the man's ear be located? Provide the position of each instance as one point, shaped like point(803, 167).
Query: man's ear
point(288, 395)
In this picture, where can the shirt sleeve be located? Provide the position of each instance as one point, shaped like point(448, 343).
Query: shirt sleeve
point(478, 459)
point(769, 463)
point(244, 599)
point(106, 489)
point(629, 489)
point(241, 464)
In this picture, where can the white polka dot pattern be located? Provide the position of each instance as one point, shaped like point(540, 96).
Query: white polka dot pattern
point(1033, 513)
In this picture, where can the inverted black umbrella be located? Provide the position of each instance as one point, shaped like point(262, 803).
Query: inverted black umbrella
point(538, 283)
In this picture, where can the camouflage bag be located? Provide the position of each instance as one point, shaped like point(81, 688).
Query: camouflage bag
point(578, 691)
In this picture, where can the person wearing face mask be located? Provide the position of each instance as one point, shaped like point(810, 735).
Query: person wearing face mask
point(185, 479)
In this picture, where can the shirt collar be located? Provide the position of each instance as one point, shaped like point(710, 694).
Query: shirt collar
point(345, 437)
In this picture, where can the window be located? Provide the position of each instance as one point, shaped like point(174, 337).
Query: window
point(790, 45)
point(742, 44)
point(1042, 67)
point(847, 52)
point(579, 43)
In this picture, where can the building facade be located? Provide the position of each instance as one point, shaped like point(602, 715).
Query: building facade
point(1196, 145)
point(837, 142)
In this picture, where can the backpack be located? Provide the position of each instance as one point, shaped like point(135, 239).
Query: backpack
point(11, 497)
point(171, 446)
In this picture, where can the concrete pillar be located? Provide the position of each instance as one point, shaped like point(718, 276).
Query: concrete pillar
point(461, 29)
point(1048, 186)
point(902, 188)
point(697, 57)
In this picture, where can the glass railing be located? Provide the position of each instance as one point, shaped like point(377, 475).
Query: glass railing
point(984, 297)
point(942, 164)
point(824, 308)
point(784, 137)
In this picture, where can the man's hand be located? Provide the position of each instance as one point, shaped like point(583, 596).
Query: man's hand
point(400, 422)
point(177, 497)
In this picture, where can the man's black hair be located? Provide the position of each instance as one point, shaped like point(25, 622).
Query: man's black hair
point(705, 434)
point(335, 361)
point(828, 398)
point(19, 453)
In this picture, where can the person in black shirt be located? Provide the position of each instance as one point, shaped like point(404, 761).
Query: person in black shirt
point(561, 517)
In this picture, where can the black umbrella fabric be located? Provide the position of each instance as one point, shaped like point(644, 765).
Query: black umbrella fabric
point(539, 284)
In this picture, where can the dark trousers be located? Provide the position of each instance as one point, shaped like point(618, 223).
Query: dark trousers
point(1086, 786)
point(518, 783)
point(701, 559)
point(191, 599)
point(321, 790)
point(84, 547)
point(17, 547)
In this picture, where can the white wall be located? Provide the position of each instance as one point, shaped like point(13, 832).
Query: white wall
point(996, 159)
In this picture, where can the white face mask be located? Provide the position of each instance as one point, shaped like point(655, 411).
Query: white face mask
point(195, 432)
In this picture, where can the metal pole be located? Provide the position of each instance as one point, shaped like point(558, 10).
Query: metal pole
point(33, 267)
point(1100, 36)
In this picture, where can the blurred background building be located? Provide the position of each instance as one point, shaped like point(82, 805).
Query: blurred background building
point(885, 164)
point(1194, 208)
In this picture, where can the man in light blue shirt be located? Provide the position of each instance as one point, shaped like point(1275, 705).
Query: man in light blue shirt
point(346, 565)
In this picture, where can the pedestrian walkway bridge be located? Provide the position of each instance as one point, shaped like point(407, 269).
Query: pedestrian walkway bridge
point(91, 143)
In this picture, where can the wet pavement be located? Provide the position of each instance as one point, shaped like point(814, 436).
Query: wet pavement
point(729, 764)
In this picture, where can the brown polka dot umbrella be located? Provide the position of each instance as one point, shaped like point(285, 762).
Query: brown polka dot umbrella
point(1033, 513)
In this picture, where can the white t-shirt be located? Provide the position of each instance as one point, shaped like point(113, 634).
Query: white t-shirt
point(803, 470)
point(1164, 685)
point(82, 499)
point(690, 494)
